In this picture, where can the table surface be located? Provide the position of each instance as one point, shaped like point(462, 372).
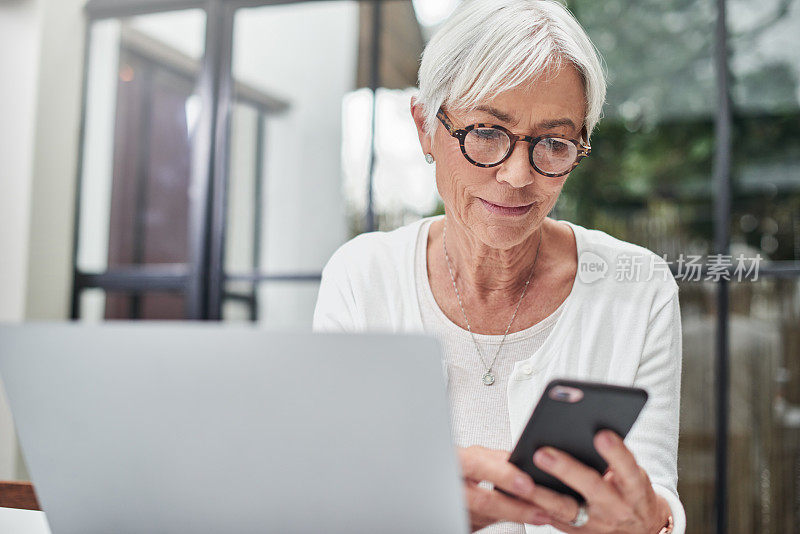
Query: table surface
point(23, 521)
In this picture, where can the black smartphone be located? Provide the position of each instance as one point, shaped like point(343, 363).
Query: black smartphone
point(567, 416)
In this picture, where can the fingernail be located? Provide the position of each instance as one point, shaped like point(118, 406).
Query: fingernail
point(607, 438)
point(523, 484)
point(544, 458)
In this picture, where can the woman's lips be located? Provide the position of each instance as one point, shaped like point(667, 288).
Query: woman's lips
point(506, 210)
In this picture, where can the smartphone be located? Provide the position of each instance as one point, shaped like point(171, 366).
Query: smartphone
point(567, 416)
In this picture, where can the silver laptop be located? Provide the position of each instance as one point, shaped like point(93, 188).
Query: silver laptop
point(207, 428)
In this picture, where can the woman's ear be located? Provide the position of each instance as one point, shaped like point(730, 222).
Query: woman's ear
point(419, 121)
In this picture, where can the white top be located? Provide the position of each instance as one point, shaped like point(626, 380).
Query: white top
point(614, 327)
point(478, 413)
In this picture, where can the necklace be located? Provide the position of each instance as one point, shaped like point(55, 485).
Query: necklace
point(488, 377)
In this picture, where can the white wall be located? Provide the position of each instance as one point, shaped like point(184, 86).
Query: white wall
point(42, 45)
point(55, 159)
point(19, 52)
point(19, 32)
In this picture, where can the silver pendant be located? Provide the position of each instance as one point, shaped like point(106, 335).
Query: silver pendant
point(488, 378)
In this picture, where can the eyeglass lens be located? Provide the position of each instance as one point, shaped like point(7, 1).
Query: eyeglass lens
point(490, 145)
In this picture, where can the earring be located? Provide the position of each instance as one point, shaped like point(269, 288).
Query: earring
point(429, 157)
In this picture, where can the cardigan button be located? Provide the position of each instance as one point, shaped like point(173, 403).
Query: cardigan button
point(527, 369)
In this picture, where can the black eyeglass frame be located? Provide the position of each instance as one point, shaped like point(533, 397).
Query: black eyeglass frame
point(461, 135)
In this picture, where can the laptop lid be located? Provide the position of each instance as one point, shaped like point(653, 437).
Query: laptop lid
point(209, 428)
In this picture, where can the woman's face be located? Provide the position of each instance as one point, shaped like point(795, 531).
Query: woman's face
point(469, 192)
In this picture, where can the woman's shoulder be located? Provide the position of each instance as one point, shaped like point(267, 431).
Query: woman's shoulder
point(372, 274)
point(621, 266)
point(600, 241)
point(374, 251)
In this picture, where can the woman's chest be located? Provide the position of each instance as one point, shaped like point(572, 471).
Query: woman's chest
point(493, 316)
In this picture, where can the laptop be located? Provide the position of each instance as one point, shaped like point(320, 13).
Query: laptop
point(194, 428)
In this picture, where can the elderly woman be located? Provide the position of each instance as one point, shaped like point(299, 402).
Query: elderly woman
point(509, 93)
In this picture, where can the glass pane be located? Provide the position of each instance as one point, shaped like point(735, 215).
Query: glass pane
point(403, 184)
point(274, 305)
point(648, 179)
point(764, 451)
point(140, 116)
point(696, 443)
point(240, 302)
point(764, 65)
point(765, 68)
point(297, 99)
point(100, 305)
point(288, 304)
point(765, 355)
point(764, 404)
point(237, 309)
point(244, 187)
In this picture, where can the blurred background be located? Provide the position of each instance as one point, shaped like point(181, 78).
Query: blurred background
point(188, 159)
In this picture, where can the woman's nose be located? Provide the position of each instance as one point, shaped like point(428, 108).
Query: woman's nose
point(517, 170)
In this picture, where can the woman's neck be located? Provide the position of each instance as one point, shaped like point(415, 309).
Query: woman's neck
point(491, 274)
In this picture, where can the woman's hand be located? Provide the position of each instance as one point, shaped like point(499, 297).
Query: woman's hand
point(620, 501)
point(489, 506)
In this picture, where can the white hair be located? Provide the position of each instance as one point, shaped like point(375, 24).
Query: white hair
point(487, 47)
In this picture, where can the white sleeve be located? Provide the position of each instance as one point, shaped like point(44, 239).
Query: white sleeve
point(336, 308)
point(654, 437)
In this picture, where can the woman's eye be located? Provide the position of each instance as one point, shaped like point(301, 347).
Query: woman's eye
point(488, 134)
point(557, 145)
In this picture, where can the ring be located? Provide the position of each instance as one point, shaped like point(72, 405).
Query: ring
point(582, 518)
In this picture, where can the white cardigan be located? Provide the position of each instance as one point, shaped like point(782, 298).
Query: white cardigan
point(618, 328)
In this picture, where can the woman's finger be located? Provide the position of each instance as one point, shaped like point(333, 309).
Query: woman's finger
point(556, 504)
point(486, 503)
point(479, 464)
point(630, 479)
point(609, 479)
point(578, 476)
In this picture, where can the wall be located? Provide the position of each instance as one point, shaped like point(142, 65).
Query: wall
point(39, 102)
point(55, 160)
point(19, 31)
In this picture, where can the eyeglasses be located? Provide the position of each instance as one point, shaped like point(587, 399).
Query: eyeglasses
point(489, 145)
